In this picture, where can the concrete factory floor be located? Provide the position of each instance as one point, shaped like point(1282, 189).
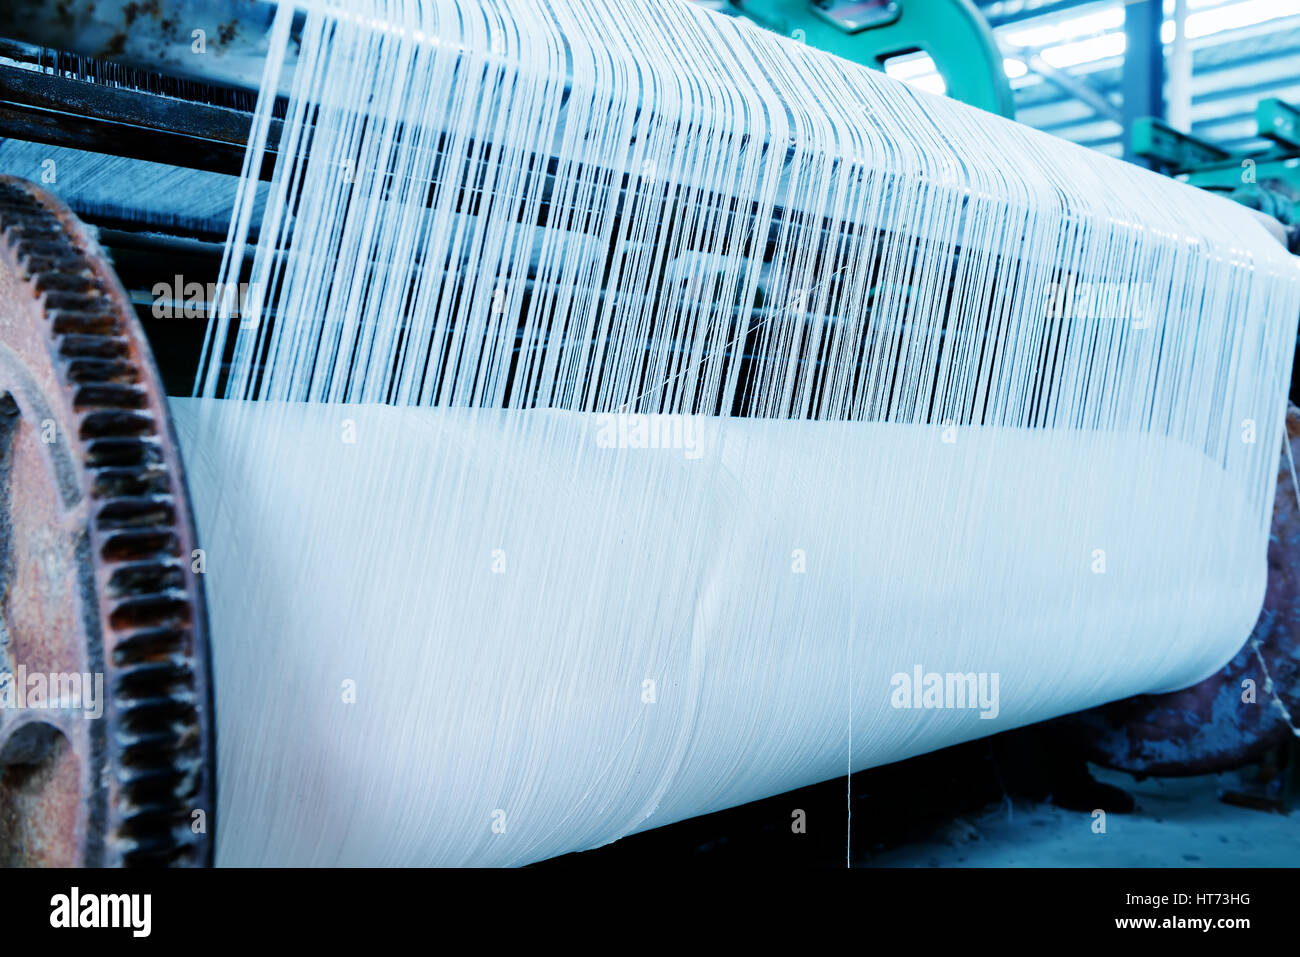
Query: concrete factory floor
point(1020, 799)
point(1177, 822)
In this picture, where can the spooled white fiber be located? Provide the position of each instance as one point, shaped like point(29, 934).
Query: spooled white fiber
point(930, 392)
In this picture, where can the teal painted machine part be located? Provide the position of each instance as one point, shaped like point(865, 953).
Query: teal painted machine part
point(871, 32)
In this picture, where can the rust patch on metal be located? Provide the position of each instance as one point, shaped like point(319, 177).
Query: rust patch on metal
point(39, 799)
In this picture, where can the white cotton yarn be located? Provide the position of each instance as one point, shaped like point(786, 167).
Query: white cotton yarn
point(500, 605)
point(929, 390)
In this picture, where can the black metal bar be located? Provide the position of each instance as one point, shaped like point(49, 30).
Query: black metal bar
point(44, 108)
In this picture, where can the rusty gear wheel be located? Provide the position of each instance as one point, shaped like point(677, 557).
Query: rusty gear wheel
point(96, 545)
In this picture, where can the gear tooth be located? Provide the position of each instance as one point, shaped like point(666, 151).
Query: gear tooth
point(77, 345)
point(123, 452)
point(128, 482)
point(103, 372)
point(114, 396)
point(156, 610)
point(154, 680)
point(149, 644)
point(137, 511)
point(116, 422)
point(146, 577)
point(137, 544)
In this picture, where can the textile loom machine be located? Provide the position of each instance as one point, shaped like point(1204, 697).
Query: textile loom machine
point(353, 485)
